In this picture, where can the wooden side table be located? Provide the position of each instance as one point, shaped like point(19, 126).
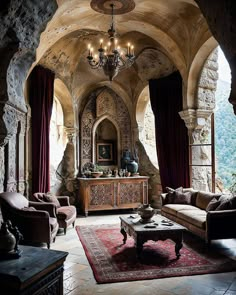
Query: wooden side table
point(37, 271)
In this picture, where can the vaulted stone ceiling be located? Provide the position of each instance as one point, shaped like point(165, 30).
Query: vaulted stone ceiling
point(167, 35)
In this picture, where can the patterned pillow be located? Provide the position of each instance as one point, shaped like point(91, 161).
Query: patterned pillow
point(50, 198)
point(169, 199)
point(214, 203)
point(182, 198)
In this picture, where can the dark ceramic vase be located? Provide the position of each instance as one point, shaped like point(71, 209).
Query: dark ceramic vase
point(132, 167)
point(125, 159)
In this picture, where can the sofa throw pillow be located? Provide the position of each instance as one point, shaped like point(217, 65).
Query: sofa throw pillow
point(214, 203)
point(50, 198)
point(182, 198)
point(204, 198)
point(227, 204)
point(169, 199)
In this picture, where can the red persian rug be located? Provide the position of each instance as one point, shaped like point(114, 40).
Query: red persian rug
point(111, 261)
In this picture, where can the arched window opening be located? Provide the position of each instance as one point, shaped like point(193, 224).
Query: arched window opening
point(58, 139)
point(225, 136)
point(146, 124)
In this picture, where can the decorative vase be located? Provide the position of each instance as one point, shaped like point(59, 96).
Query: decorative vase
point(146, 212)
point(125, 159)
point(132, 167)
point(7, 239)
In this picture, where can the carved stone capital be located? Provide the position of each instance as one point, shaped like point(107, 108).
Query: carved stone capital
point(195, 119)
point(189, 117)
point(71, 133)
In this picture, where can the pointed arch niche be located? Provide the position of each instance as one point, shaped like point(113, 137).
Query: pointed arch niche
point(106, 133)
point(104, 121)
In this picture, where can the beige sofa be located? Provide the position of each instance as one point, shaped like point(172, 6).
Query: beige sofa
point(197, 214)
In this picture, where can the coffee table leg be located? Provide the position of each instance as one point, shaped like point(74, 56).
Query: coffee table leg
point(139, 247)
point(178, 246)
point(123, 232)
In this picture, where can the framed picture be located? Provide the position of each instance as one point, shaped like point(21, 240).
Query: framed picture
point(104, 152)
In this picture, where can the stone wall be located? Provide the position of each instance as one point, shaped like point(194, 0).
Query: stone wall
point(21, 23)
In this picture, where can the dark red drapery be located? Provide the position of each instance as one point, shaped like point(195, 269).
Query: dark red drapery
point(171, 132)
point(41, 88)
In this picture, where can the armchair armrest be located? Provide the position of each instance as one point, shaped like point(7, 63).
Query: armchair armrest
point(64, 200)
point(221, 224)
point(33, 214)
point(49, 207)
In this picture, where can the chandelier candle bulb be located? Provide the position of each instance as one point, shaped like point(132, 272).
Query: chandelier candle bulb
point(89, 47)
point(101, 41)
point(128, 48)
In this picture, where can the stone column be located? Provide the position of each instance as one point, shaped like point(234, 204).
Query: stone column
point(196, 122)
point(28, 147)
point(2, 169)
point(20, 156)
point(9, 118)
point(71, 152)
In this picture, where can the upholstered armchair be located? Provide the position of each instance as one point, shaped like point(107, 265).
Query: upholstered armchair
point(66, 213)
point(37, 222)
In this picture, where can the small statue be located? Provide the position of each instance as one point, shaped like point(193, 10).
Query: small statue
point(7, 239)
point(18, 236)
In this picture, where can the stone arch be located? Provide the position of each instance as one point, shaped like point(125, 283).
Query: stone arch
point(190, 100)
point(63, 94)
point(202, 100)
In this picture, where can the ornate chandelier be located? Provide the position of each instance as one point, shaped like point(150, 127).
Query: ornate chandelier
point(111, 58)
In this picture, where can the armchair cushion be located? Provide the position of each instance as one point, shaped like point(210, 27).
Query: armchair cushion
point(67, 212)
point(46, 197)
point(49, 197)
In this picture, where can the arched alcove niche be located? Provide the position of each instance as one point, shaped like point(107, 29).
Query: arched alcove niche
point(104, 119)
point(106, 137)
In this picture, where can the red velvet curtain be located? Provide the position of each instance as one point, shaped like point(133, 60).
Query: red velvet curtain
point(171, 132)
point(41, 89)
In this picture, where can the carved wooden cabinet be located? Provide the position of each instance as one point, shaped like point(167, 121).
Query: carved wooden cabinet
point(112, 193)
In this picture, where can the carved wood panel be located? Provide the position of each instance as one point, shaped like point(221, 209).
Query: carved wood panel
point(101, 194)
point(131, 192)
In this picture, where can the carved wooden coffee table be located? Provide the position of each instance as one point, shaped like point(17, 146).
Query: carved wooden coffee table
point(160, 229)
